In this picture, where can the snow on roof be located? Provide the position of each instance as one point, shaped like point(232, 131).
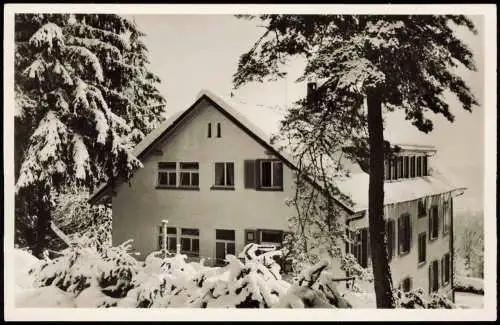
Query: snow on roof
point(356, 187)
point(153, 135)
point(264, 122)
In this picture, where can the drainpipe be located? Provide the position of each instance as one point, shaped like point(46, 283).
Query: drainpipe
point(452, 248)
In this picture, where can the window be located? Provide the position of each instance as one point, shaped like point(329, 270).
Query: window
point(422, 211)
point(404, 233)
point(400, 167)
point(446, 216)
point(271, 237)
point(387, 170)
point(224, 244)
point(359, 246)
point(412, 166)
point(224, 174)
point(167, 175)
point(171, 238)
point(250, 236)
point(419, 166)
point(425, 171)
point(433, 223)
point(271, 174)
point(190, 241)
point(445, 269)
point(184, 177)
point(189, 174)
point(391, 238)
point(218, 130)
point(433, 276)
point(394, 169)
point(405, 284)
point(406, 167)
point(263, 174)
point(209, 130)
point(422, 247)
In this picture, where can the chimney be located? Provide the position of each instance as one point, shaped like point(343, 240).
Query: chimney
point(311, 88)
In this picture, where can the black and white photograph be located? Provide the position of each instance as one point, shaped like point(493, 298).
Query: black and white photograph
point(229, 158)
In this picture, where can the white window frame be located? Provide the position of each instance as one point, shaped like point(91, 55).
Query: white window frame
point(225, 241)
point(225, 164)
point(166, 171)
point(160, 238)
point(272, 162)
point(190, 237)
point(189, 171)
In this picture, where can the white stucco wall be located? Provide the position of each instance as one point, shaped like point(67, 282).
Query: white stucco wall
point(139, 208)
point(405, 265)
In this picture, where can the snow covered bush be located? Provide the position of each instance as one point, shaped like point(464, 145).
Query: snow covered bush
point(165, 280)
point(251, 281)
point(81, 266)
point(74, 216)
point(416, 299)
point(315, 288)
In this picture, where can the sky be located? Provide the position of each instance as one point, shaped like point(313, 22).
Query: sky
point(194, 52)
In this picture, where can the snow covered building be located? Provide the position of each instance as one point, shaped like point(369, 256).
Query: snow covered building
point(214, 175)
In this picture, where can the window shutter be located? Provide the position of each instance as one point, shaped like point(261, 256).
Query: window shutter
point(400, 232)
point(278, 174)
point(442, 271)
point(257, 173)
point(249, 173)
point(410, 234)
point(430, 277)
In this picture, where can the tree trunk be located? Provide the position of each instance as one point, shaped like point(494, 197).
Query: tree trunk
point(378, 242)
point(42, 227)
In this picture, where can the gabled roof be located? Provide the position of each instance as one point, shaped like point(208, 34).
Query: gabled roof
point(247, 117)
point(236, 116)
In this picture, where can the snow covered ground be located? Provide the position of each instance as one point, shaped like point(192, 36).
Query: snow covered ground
point(469, 300)
point(466, 282)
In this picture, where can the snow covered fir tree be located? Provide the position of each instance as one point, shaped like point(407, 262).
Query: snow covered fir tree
point(84, 98)
point(121, 204)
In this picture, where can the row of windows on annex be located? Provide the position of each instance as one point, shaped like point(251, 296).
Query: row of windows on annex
point(403, 235)
point(439, 275)
point(260, 174)
point(406, 167)
point(225, 240)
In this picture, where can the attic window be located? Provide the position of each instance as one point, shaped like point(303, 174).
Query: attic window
point(209, 135)
point(218, 130)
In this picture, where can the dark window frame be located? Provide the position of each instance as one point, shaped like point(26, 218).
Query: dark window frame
point(433, 222)
point(422, 248)
point(209, 135)
point(445, 269)
point(218, 130)
point(406, 284)
point(434, 276)
point(391, 238)
point(404, 234)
